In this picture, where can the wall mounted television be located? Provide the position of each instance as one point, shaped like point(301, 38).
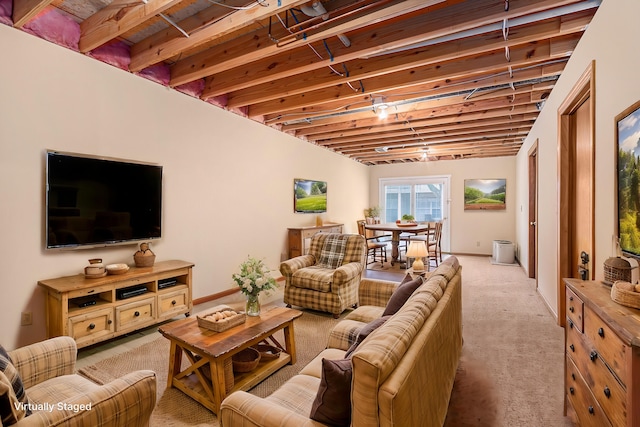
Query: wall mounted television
point(309, 196)
point(97, 201)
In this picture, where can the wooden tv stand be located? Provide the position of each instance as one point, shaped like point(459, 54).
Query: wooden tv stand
point(105, 314)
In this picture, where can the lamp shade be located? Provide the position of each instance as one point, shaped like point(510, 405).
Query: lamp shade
point(417, 250)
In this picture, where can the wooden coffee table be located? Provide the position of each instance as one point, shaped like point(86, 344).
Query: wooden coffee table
point(202, 346)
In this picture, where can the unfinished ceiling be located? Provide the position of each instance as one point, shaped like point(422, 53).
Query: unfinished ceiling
point(455, 79)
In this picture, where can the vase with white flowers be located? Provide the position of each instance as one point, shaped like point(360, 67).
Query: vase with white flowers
point(253, 278)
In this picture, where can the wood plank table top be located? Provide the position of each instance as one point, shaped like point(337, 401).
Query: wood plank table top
point(218, 344)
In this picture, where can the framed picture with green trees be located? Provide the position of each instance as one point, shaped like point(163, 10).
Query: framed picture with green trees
point(627, 131)
point(485, 194)
point(309, 196)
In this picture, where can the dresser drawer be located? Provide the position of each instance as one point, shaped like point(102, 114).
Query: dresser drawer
point(606, 343)
point(575, 310)
point(174, 302)
point(91, 326)
point(584, 404)
point(135, 314)
point(576, 346)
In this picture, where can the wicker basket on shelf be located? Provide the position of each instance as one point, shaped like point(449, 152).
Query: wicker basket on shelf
point(622, 294)
point(268, 352)
point(616, 268)
point(246, 360)
point(229, 380)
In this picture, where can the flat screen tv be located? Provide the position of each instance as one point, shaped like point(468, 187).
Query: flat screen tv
point(96, 201)
point(309, 196)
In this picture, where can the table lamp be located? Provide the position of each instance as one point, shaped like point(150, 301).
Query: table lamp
point(417, 250)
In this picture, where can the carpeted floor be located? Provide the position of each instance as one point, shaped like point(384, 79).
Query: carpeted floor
point(510, 374)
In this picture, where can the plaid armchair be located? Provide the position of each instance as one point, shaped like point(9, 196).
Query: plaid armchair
point(327, 278)
point(58, 396)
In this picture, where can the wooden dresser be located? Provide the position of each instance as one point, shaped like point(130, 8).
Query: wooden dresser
point(94, 310)
point(602, 363)
point(299, 237)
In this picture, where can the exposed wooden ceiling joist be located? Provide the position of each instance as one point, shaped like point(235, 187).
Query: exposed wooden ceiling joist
point(458, 78)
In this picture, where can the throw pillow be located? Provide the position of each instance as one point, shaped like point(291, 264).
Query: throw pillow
point(365, 332)
point(10, 409)
point(332, 252)
point(332, 405)
point(402, 294)
point(12, 375)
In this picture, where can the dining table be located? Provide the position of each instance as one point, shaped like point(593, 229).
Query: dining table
point(396, 230)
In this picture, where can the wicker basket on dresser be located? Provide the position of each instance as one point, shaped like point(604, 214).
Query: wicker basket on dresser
point(602, 363)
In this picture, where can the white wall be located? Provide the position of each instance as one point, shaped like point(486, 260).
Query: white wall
point(612, 41)
point(467, 228)
point(228, 181)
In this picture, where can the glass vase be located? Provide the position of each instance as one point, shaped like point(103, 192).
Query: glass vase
point(253, 305)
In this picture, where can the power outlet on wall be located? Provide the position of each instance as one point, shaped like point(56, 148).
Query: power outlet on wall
point(26, 318)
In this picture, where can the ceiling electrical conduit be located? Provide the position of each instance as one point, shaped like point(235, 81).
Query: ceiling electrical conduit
point(499, 26)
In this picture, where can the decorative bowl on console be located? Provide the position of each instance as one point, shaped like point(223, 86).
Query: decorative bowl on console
point(117, 268)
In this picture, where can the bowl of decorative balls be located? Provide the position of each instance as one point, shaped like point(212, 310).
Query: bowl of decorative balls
point(220, 318)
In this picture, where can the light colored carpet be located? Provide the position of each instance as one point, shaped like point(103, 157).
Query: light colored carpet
point(510, 374)
point(174, 408)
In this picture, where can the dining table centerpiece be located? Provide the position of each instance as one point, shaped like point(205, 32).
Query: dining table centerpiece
point(254, 277)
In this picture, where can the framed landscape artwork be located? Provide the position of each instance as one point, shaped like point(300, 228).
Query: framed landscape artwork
point(628, 179)
point(309, 196)
point(485, 194)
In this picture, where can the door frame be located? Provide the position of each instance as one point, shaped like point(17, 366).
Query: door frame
point(532, 267)
point(583, 89)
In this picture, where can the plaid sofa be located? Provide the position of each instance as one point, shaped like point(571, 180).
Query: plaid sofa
point(314, 285)
point(64, 398)
point(403, 372)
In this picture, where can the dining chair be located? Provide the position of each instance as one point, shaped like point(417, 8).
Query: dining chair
point(434, 243)
point(375, 246)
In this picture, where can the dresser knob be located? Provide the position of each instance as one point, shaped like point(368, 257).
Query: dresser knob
point(571, 309)
point(607, 392)
point(593, 355)
point(174, 302)
point(573, 377)
point(591, 411)
point(137, 313)
point(109, 322)
point(601, 332)
point(571, 390)
point(570, 324)
point(570, 298)
point(572, 347)
point(92, 326)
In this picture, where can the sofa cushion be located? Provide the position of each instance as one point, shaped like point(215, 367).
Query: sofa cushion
point(402, 294)
point(332, 405)
point(12, 375)
point(316, 278)
point(332, 252)
point(364, 333)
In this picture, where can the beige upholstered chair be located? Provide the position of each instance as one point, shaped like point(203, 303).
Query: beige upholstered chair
point(47, 371)
point(327, 278)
